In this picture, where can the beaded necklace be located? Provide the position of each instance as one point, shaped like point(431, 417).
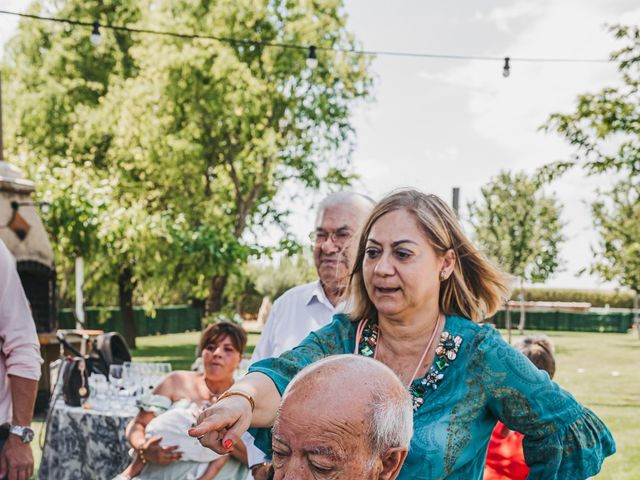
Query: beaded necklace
point(368, 334)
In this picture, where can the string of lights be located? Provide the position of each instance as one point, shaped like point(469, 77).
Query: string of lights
point(312, 59)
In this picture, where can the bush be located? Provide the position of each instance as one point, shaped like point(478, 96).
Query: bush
point(597, 298)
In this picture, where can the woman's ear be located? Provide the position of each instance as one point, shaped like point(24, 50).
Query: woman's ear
point(448, 262)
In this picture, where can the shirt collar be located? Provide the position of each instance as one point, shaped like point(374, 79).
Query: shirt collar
point(317, 294)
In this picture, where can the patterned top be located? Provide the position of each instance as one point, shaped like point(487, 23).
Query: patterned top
point(488, 381)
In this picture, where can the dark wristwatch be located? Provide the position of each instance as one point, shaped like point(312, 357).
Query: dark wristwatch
point(25, 433)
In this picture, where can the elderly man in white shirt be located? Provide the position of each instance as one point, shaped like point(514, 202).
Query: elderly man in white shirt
point(306, 308)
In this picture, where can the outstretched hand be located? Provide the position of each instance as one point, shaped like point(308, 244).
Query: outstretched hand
point(221, 425)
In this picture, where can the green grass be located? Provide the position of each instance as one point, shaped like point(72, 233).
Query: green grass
point(614, 398)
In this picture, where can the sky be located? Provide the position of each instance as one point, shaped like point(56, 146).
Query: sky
point(439, 124)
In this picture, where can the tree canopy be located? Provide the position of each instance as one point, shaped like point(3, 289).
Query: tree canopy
point(163, 156)
point(518, 225)
point(604, 128)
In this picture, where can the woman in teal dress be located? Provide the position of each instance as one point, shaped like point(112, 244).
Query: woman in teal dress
point(418, 288)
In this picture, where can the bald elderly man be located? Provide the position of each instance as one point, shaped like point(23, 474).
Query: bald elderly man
point(344, 417)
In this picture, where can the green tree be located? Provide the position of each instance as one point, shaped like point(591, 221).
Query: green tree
point(217, 129)
point(617, 218)
point(188, 140)
point(518, 225)
point(604, 128)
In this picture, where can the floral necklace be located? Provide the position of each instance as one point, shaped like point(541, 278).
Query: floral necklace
point(367, 337)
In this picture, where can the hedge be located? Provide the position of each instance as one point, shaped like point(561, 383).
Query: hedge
point(169, 319)
point(597, 298)
point(618, 322)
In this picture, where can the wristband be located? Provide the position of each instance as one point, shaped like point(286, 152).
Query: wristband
point(246, 396)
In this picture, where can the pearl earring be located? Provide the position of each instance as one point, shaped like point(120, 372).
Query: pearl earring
point(443, 276)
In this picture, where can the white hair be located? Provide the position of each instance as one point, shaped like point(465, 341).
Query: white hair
point(390, 415)
point(364, 203)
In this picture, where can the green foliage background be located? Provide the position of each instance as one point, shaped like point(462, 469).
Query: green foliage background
point(163, 157)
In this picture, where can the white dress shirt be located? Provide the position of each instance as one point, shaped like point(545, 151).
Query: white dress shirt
point(294, 315)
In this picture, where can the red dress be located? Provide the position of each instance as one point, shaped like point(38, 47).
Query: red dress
point(505, 458)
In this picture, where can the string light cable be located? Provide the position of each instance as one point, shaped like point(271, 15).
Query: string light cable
point(312, 60)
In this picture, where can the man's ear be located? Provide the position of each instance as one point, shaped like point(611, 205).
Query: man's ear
point(392, 461)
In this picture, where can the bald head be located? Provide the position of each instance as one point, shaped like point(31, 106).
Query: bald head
point(330, 407)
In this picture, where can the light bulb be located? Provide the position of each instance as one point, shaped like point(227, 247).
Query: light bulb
point(96, 38)
point(312, 60)
point(506, 71)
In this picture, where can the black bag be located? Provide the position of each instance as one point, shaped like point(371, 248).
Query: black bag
point(75, 381)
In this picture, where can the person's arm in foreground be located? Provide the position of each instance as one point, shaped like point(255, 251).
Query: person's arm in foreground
point(16, 460)
point(223, 424)
point(562, 439)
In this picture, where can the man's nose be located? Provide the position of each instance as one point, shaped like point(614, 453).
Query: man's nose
point(329, 245)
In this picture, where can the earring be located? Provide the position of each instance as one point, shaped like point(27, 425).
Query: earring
point(443, 275)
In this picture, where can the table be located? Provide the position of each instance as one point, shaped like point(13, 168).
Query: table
point(85, 444)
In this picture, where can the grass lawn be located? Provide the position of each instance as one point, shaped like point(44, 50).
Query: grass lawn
point(599, 369)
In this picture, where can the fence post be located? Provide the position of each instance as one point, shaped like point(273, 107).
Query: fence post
point(636, 312)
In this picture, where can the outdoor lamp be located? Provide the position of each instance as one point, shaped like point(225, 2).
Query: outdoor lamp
point(95, 34)
point(312, 60)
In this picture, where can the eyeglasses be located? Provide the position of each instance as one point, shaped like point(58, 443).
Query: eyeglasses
point(339, 238)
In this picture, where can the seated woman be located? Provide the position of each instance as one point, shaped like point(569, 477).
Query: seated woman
point(162, 449)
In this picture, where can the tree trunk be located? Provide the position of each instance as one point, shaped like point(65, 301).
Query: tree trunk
point(126, 285)
point(636, 313)
point(214, 299)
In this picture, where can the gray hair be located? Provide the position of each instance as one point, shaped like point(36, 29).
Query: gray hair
point(390, 414)
point(357, 200)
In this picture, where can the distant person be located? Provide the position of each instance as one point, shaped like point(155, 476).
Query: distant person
point(505, 457)
point(345, 417)
point(19, 372)
point(161, 448)
point(416, 292)
point(306, 308)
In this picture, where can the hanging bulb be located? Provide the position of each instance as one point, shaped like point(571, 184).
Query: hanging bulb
point(312, 60)
point(96, 38)
point(507, 69)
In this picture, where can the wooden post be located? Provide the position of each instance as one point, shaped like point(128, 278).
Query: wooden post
point(80, 323)
point(636, 313)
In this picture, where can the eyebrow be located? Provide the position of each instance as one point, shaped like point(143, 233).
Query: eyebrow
point(394, 244)
point(326, 452)
point(344, 227)
point(323, 451)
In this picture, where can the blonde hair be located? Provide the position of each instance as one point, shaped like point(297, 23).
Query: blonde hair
point(475, 289)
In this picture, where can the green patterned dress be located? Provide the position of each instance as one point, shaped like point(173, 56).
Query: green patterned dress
point(476, 379)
